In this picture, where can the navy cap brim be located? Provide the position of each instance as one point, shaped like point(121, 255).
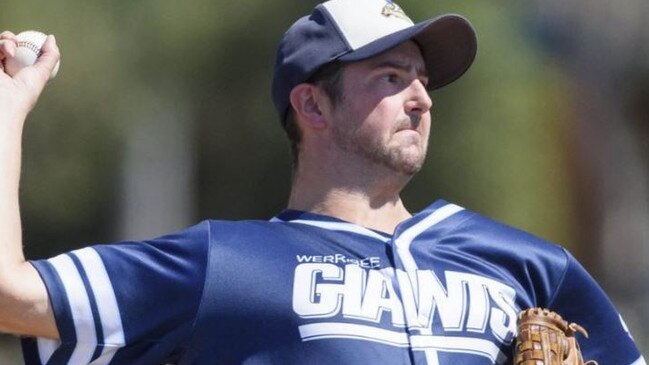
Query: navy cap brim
point(448, 45)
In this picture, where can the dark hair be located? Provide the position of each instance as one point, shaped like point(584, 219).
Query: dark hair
point(329, 78)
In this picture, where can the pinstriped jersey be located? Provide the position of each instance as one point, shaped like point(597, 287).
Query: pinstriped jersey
point(302, 288)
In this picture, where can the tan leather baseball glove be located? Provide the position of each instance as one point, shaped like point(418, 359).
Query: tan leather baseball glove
point(544, 338)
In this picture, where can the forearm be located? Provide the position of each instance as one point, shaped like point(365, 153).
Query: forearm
point(19, 291)
point(11, 126)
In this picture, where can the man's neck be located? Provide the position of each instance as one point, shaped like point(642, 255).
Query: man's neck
point(368, 204)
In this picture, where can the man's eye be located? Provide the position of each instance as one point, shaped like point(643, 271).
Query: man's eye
point(391, 78)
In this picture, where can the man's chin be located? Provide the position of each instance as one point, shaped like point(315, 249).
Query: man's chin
point(410, 170)
point(407, 167)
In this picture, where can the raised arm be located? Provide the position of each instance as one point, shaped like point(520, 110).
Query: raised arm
point(24, 303)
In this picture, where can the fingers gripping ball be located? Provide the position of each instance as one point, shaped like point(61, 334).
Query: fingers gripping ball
point(28, 51)
point(544, 338)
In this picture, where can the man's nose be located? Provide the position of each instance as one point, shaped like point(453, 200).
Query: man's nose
point(419, 101)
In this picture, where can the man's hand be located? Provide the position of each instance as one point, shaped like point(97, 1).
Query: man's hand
point(19, 94)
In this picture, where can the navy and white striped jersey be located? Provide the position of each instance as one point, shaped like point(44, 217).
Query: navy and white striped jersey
point(303, 288)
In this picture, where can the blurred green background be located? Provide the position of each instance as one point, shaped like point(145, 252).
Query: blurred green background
point(161, 116)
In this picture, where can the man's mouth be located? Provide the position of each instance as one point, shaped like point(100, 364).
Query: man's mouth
point(411, 123)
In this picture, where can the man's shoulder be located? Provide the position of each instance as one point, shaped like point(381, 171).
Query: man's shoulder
point(492, 229)
point(244, 226)
point(252, 230)
point(499, 238)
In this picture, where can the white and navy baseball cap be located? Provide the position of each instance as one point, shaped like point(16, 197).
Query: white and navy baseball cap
point(353, 30)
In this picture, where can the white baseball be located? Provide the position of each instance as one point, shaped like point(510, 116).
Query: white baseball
point(28, 51)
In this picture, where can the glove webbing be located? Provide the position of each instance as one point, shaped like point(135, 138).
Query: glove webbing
point(544, 338)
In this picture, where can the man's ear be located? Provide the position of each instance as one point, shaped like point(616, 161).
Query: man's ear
point(305, 100)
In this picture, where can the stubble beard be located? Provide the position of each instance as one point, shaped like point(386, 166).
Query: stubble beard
point(397, 159)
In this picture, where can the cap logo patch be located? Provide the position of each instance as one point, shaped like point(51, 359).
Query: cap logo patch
point(392, 9)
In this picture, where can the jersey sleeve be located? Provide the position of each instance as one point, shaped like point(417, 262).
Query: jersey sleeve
point(123, 303)
point(581, 300)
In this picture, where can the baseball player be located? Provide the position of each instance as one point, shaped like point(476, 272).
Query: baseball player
point(344, 275)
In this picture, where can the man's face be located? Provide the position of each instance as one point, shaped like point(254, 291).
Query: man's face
point(384, 113)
